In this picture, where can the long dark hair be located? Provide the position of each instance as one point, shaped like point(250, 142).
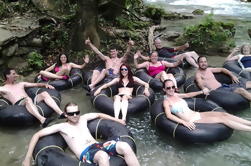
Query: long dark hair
point(130, 75)
point(59, 63)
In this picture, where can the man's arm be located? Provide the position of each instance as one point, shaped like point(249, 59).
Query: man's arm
point(227, 72)
point(95, 49)
point(91, 116)
point(29, 84)
point(35, 138)
point(128, 50)
point(181, 48)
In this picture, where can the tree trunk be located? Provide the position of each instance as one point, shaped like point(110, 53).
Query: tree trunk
point(86, 25)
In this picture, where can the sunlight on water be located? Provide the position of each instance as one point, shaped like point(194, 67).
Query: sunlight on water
point(221, 7)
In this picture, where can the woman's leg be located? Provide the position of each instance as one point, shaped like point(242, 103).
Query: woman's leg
point(219, 117)
point(117, 106)
point(32, 109)
point(191, 57)
point(164, 76)
point(97, 78)
point(124, 107)
point(50, 75)
point(46, 97)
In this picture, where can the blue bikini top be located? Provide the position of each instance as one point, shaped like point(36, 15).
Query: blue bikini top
point(179, 107)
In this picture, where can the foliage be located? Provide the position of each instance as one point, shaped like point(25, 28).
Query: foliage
point(35, 60)
point(198, 12)
point(3, 9)
point(209, 36)
point(124, 23)
point(154, 12)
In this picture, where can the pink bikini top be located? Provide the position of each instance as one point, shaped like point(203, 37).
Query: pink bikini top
point(154, 70)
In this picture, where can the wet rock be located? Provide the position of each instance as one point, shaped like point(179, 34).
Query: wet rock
point(17, 63)
point(10, 51)
point(170, 35)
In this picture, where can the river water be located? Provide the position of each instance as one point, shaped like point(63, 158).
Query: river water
point(155, 148)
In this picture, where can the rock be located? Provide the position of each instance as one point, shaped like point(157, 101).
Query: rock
point(198, 12)
point(36, 42)
point(10, 51)
point(17, 63)
point(170, 35)
point(249, 32)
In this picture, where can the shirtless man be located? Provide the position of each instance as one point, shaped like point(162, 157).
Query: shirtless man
point(78, 137)
point(112, 63)
point(206, 80)
point(15, 93)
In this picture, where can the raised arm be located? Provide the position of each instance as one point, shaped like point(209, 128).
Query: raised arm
point(34, 140)
point(114, 81)
point(174, 118)
point(232, 56)
point(142, 65)
point(174, 64)
point(182, 47)
point(146, 85)
point(86, 61)
point(128, 50)
point(95, 49)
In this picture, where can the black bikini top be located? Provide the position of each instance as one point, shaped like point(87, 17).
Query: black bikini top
point(129, 85)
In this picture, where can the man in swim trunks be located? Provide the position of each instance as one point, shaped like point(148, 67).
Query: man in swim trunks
point(112, 63)
point(15, 93)
point(80, 141)
point(205, 79)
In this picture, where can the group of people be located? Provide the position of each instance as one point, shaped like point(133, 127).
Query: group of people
point(75, 131)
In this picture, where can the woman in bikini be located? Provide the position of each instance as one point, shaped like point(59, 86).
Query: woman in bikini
point(155, 68)
point(176, 109)
point(125, 84)
point(62, 68)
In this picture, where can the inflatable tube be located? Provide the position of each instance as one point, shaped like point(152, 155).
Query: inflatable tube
point(17, 115)
point(204, 133)
point(155, 83)
point(104, 103)
point(49, 150)
point(236, 68)
point(74, 79)
point(230, 101)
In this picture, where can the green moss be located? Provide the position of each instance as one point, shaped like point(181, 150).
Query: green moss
point(209, 36)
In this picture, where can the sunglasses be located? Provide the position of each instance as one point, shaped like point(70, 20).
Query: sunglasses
point(170, 87)
point(123, 69)
point(73, 113)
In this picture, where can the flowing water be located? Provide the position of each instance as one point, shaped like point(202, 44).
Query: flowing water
point(155, 148)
